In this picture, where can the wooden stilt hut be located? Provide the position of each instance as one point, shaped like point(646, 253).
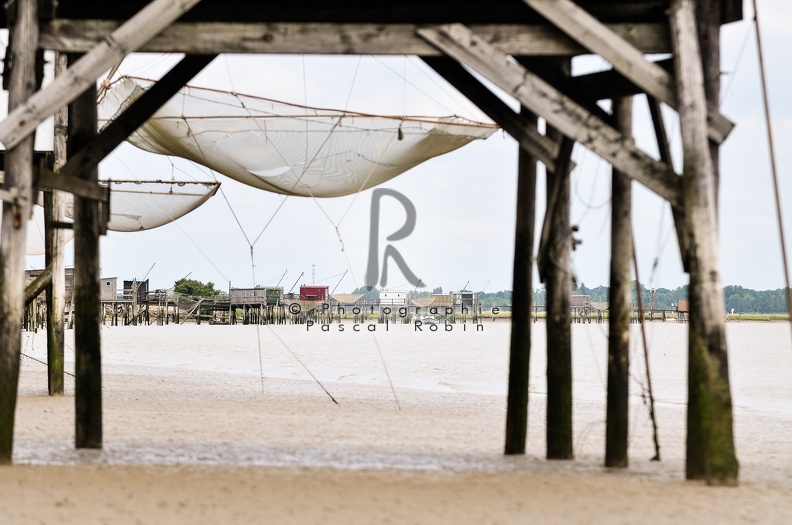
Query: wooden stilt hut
point(522, 46)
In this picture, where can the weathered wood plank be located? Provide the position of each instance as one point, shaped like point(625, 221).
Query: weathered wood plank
point(205, 38)
point(620, 305)
point(418, 11)
point(710, 435)
point(562, 113)
point(87, 302)
point(18, 175)
point(520, 345)
point(38, 285)
point(664, 147)
point(49, 180)
point(625, 58)
point(129, 37)
point(529, 138)
point(55, 213)
point(546, 69)
point(610, 83)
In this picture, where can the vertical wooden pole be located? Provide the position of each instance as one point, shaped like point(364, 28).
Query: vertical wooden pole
point(708, 14)
point(556, 263)
point(55, 210)
point(87, 294)
point(617, 412)
point(134, 302)
point(18, 177)
point(519, 360)
point(710, 436)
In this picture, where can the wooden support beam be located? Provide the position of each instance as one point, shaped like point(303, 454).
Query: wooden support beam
point(709, 17)
point(39, 158)
point(560, 112)
point(546, 69)
point(710, 453)
point(129, 37)
point(522, 294)
point(87, 294)
point(620, 305)
point(529, 138)
point(207, 38)
point(625, 58)
point(556, 258)
point(55, 213)
point(13, 233)
point(133, 117)
point(664, 147)
point(38, 285)
point(553, 199)
point(49, 180)
point(611, 84)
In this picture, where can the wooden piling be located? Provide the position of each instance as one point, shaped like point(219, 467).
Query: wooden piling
point(55, 211)
point(87, 295)
point(19, 178)
point(520, 353)
point(617, 411)
point(556, 272)
point(710, 436)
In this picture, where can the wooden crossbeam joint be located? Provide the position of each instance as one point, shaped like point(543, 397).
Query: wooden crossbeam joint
point(560, 111)
point(598, 38)
point(49, 180)
point(38, 285)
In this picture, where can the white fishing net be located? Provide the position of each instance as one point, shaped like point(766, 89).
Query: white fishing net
point(142, 205)
point(286, 148)
point(35, 232)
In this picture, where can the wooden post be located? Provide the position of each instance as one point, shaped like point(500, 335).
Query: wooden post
point(134, 302)
point(19, 178)
point(709, 16)
point(617, 412)
point(556, 273)
point(519, 359)
point(55, 210)
point(87, 294)
point(710, 434)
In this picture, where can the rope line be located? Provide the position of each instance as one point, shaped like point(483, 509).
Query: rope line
point(652, 414)
point(387, 373)
point(773, 167)
point(202, 252)
point(296, 358)
point(258, 331)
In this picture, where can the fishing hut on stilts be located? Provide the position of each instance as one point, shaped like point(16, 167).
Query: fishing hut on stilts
point(522, 46)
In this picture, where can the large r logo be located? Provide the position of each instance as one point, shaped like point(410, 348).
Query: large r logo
point(372, 271)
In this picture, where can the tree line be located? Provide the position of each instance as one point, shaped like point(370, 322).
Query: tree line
point(742, 300)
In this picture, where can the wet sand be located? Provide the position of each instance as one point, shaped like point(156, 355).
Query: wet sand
point(191, 446)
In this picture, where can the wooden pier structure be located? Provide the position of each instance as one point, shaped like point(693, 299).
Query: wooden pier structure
point(522, 46)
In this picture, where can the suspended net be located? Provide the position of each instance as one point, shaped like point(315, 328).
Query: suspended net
point(142, 205)
point(286, 148)
point(35, 239)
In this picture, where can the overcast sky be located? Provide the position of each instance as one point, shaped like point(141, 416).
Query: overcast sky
point(465, 200)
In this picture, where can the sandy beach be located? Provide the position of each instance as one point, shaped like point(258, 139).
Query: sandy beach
point(189, 445)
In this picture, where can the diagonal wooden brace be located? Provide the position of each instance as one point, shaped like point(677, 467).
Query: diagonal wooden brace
point(568, 117)
point(628, 60)
point(133, 34)
point(543, 148)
